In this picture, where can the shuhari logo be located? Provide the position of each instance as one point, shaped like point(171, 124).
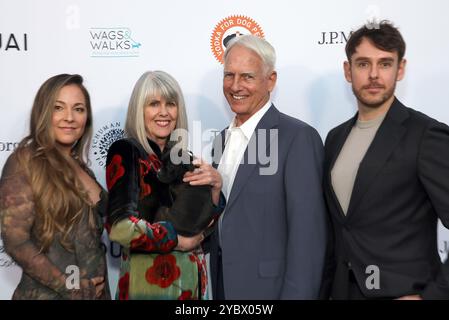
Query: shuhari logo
point(113, 43)
point(231, 27)
point(103, 139)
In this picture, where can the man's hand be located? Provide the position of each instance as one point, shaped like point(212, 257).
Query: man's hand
point(189, 243)
point(205, 174)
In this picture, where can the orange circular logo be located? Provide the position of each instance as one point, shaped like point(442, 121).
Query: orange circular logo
point(231, 27)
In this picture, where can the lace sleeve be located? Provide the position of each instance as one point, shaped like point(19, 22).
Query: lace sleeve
point(17, 218)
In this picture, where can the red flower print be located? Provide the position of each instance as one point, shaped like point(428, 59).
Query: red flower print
point(186, 295)
point(145, 188)
point(143, 243)
point(167, 246)
point(159, 232)
point(203, 279)
point(195, 259)
point(133, 219)
point(123, 287)
point(114, 171)
point(146, 166)
point(163, 271)
point(155, 163)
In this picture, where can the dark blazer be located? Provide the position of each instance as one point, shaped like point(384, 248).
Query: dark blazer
point(273, 229)
point(401, 188)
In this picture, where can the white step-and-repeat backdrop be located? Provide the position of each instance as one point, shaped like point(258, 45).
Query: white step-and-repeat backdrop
point(112, 42)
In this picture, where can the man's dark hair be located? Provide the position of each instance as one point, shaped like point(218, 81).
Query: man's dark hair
point(384, 36)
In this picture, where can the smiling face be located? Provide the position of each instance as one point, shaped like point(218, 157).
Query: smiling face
point(160, 116)
point(69, 116)
point(246, 83)
point(373, 74)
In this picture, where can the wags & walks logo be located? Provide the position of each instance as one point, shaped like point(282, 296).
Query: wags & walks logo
point(113, 42)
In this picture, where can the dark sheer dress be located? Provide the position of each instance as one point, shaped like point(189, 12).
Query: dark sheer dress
point(49, 275)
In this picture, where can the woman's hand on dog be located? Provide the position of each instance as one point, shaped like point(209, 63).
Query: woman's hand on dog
point(189, 243)
point(205, 174)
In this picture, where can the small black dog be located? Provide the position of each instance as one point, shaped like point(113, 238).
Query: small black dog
point(192, 209)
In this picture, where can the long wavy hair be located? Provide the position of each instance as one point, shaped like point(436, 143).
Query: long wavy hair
point(58, 194)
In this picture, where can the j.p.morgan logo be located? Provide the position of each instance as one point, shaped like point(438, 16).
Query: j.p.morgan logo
point(113, 42)
point(103, 139)
point(231, 27)
point(13, 42)
point(334, 37)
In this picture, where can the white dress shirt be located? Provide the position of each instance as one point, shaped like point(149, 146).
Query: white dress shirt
point(236, 141)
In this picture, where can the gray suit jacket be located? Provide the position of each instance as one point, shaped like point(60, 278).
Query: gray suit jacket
point(273, 232)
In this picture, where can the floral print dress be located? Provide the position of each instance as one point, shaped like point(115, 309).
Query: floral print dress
point(150, 267)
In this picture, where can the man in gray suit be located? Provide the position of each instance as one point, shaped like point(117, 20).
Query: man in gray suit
point(270, 242)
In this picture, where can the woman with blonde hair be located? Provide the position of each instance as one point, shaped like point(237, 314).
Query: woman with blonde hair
point(50, 202)
point(157, 262)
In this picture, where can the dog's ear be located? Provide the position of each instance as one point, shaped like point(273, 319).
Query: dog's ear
point(166, 172)
point(173, 170)
point(163, 175)
point(165, 156)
